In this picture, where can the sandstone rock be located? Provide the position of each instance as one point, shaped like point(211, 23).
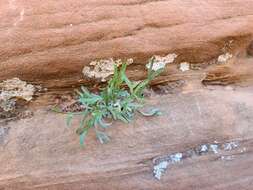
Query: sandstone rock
point(49, 42)
point(13, 89)
point(41, 153)
point(250, 49)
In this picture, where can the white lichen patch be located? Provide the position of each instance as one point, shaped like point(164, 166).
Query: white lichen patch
point(222, 59)
point(230, 145)
point(162, 163)
point(160, 62)
point(184, 66)
point(103, 68)
point(243, 150)
point(13, 89)
point(204, 148)
point(227, 157)
point(159, 169)
point(176, 157)
point(214, 148)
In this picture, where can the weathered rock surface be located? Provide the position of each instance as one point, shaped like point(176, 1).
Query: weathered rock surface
point(49, 42)
point(42, 153)
point(250, 49)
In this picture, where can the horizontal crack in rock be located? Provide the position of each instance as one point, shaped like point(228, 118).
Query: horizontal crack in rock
point(162, 163)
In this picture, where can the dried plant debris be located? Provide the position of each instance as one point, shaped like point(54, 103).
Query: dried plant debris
point(221, 76)
point(220, 60)
point(171, 87)
point(103, 69)
point(72, 105)
point(220, 149)
point(14, 93)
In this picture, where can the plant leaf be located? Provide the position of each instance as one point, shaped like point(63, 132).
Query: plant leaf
point(82, 138)
point(154, 74)
point(151, 112)
point(102, 137)
point(79, 93)
point(103, 124)
point(128, 83)
point(57, 110)
point(140, 87)
point(122, 118)
point(113, 112)
point(69, 119)
point(114, 102)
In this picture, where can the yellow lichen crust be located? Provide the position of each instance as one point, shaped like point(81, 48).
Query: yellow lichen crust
point(103, 68)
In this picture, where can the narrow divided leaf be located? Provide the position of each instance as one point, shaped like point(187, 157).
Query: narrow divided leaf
point(82, 138)
point(56, 109)
point(151, 112)
point(103, 124)
point(102, 137)
point(69, 119)
point(114, 102)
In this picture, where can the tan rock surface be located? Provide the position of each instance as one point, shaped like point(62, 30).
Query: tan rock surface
point(51, 41)
point(42, 153)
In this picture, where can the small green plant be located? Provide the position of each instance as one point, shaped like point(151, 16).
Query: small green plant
point(119, 100)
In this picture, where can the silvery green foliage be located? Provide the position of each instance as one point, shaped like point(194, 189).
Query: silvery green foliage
point(115, 102)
